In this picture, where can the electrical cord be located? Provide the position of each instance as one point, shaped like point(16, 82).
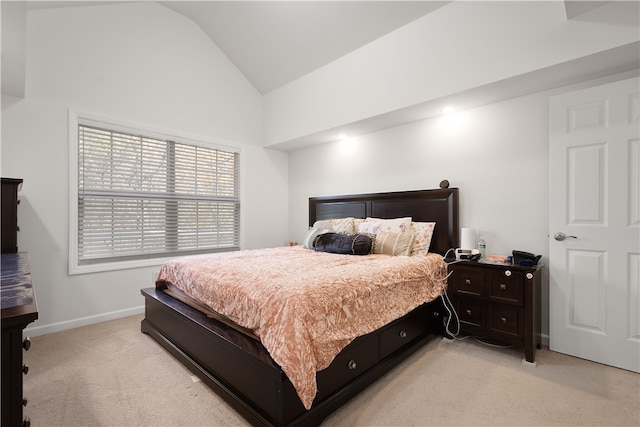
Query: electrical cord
point(479, 339)
point(450, 308)
point(451, 311)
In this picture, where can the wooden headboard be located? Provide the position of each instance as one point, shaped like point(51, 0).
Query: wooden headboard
point(439, 206)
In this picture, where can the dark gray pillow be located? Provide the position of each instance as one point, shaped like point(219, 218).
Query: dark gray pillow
point(337, 243)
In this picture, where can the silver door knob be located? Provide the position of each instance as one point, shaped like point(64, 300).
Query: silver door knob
point(560, 236)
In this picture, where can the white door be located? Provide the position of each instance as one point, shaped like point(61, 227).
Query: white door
point(594, 186)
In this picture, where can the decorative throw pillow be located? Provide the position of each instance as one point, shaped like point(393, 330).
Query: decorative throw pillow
point(342, 225)
point(337, 243)
point(311, 236)
point(375, 225)
point(393, 243)
point(423, 232)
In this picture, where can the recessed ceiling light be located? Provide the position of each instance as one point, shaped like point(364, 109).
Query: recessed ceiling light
point(448, 109)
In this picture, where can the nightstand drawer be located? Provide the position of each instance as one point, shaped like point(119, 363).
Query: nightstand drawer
point(471, 314)
point(504, 319)
point(506, 286)
point(470, 282)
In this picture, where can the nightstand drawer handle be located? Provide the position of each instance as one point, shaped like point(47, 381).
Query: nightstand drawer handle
point(504, 319)
point(469, 312)
point(403, 334)
point(467, 281)
point(503, 287)
point(352, 364)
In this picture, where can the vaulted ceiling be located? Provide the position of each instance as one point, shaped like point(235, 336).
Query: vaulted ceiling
point(275, 42)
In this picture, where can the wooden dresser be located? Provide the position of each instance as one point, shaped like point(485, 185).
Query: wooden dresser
point(9, 214)
point(18, 308)
point(499, 303)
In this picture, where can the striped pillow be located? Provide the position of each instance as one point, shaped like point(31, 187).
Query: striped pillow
point(393, 243)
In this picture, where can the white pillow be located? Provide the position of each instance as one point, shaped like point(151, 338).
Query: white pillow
point(322, 224)
point(423, 232)
point(311, 237)
point(337, 225)
point(375, 225)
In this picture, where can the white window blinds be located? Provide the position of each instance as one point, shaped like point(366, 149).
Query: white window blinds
point(141, 197)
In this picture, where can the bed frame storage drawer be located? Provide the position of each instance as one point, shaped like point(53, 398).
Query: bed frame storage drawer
point(356, 358)
point(402, 331)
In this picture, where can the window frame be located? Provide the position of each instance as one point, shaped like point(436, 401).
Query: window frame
point(79, 118)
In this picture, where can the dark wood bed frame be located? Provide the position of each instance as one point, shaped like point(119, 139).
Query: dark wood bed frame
point(240, 369)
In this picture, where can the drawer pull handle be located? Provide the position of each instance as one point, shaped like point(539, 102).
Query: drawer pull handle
point(24, 401)
point(503, 287)
point(467, 281)
point(25, 369)
point(403, 334)
point(352, 364)
point(504, 319)
point(26, 344)
point(469, 312)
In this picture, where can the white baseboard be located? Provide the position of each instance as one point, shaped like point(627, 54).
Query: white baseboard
point(545, 339)
point(35, 331)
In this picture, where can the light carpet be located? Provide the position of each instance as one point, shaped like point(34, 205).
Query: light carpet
point(111, 374)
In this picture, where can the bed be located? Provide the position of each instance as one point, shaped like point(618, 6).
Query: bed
point(231, 361)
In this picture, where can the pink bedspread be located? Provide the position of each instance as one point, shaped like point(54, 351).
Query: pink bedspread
point(306, 306)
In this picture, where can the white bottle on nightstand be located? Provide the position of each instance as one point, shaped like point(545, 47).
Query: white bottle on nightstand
point(482, 247)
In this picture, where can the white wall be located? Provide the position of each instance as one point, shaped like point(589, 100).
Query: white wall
point(497, 155)
point(143, 64)
point(460, 46)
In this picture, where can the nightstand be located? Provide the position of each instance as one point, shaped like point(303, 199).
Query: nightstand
point(498, 302)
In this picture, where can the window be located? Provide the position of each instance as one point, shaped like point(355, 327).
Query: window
point(143, 197)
